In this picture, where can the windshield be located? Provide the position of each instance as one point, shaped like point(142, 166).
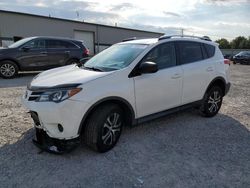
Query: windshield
point(19, 43)
point(115, 57)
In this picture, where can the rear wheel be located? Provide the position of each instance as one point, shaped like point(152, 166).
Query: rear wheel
point(103, 128)
point(212, 102)
point(72, 61)
point(8, 69)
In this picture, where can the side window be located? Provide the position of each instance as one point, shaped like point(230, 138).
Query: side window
point(190, 52)
point(163, 55)
point(210, 50)
point(70, 45)
point(36, 44)
point(55, 44)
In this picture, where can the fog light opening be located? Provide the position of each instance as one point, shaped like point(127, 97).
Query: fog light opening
point(60, 127)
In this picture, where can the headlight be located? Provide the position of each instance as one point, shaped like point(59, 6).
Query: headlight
point(58, 95)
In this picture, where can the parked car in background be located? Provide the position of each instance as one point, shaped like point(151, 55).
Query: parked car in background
point(242, 58)
point(40, 53)
point(228, 56)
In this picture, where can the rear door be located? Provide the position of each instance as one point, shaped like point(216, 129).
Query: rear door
point(58, 53)
point(161, 90)
point(33, 55)
point(197, 70)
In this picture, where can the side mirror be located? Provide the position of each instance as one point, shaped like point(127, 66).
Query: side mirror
point(25, 48)
point(148, 67)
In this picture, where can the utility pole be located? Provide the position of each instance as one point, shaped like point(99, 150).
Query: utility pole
point(182, 31)
point(77, 15)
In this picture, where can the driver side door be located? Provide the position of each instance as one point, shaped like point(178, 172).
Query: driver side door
point(159, 91)
point(33, 55)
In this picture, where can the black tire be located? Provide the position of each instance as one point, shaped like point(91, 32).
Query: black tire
point(8, 69)
point(212, 102)
point(72, 61)
point(101, 132)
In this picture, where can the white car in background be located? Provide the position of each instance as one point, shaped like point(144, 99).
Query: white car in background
point(128, 83)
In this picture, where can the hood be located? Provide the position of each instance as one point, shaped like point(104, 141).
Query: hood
point(70, 74)
point(4, 50)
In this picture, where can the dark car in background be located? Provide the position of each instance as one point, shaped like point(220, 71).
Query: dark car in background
point(40, 53)
point(228, 56)
point(242, 58)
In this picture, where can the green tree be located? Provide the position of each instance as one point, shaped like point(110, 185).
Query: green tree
point(248, 43)
point(223, 43)
point(239, 43)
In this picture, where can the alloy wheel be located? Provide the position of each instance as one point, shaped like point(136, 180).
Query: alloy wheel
point(7, 70)
point(111, 129)
point(214, 102)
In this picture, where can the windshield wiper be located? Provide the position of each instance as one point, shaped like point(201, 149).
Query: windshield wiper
point(93, 68)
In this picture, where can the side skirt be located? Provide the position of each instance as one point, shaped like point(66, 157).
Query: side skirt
point(167, 112)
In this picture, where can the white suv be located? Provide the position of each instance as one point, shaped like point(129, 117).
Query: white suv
point(128, 83)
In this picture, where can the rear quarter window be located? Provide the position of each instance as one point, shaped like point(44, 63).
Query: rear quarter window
point(70, 45)
point(79, 43)
point(210, 50)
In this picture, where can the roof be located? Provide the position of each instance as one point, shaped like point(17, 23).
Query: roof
point(142, 41)
point(75, 21)
point(52, 37)
point(167, 38)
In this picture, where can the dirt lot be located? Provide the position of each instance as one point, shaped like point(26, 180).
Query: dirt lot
point(181, 150)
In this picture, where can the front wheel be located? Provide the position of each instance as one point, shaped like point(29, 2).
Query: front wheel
point(212, 102)
point(8, 69)
point(103, 128)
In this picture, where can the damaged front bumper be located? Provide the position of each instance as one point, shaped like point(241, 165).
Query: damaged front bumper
point(52, 145)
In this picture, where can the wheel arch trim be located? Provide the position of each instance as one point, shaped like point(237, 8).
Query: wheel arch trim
point(102, 101)
point(12, 60)
point(218, 78)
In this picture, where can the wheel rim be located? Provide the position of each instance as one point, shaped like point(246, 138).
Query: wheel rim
point(214, 102)
point(7, 70)
point(111, 129)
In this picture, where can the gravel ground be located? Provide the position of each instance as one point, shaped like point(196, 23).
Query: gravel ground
point(181, 150)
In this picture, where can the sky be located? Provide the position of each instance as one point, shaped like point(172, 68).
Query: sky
point(215, 18)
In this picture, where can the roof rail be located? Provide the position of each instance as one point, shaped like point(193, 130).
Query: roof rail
point(129, 39)
point(134, 38)
point(187, 36)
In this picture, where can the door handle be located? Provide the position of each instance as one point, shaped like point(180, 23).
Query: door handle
point(67, 52)
point(209, 69)
point(175, 76)
point(43, 52)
